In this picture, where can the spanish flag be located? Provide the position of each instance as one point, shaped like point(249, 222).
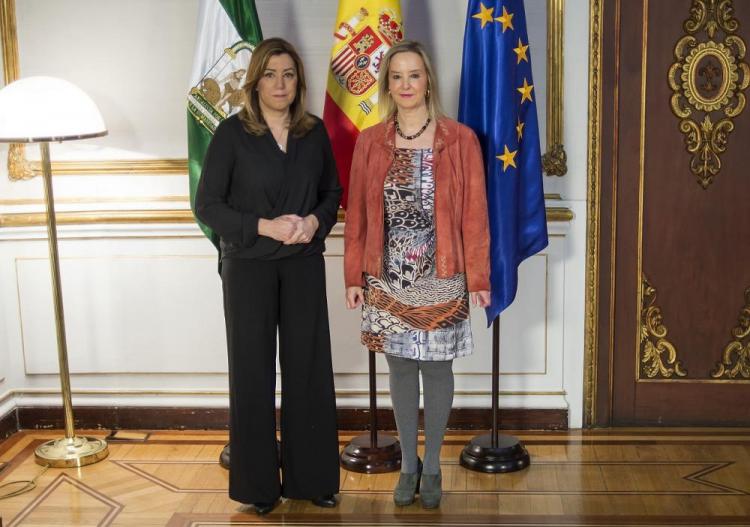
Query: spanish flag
point(364, 31)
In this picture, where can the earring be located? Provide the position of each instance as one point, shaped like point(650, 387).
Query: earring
point(427, 94)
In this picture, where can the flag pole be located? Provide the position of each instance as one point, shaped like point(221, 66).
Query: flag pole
point(495, 452)
point(372, 453)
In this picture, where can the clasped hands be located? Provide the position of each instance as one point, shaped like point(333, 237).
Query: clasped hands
point(289, 228)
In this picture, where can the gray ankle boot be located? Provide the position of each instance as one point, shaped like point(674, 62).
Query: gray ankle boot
point(431, 490)
point(407, 487)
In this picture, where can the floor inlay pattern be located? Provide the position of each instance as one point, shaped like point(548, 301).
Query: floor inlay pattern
point(610, 477)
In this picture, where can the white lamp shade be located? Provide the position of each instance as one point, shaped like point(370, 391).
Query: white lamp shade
point(38, 109)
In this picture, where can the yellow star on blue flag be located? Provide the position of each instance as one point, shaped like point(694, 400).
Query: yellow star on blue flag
point(506, 19)
point(525, 91)
point(521, 51)
point(485, 14)
point(508, 158)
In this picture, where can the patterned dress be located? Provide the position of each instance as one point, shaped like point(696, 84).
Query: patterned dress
point(409, 312)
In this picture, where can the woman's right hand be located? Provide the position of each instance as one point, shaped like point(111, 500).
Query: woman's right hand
point(354, 297)
point(280, 228)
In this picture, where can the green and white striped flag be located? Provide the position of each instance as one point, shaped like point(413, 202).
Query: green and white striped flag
point(228, 31)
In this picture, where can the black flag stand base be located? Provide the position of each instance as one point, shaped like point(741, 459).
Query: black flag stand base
point(495, 452)
point(372, 456)
point(372, 453)
point(506, 455)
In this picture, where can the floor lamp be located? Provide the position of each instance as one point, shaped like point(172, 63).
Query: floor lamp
point(45, 110)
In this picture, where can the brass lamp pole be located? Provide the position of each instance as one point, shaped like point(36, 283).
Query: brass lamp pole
point(42, 110)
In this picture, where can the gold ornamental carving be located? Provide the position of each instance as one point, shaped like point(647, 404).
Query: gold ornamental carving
point(18, 166)
point(554, 161)
point(593, 200)
point(658, 355)
point(735, 361)
point(708, 80)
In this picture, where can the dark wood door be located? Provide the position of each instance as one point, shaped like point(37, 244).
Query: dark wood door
point(674, 252)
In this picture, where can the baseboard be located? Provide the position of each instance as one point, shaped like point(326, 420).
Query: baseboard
point(464, 419)
point(160, 418)
point(9, 424)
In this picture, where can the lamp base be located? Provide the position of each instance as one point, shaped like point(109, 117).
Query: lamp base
point(508, 456)
point(68, 452)
point(360, 455)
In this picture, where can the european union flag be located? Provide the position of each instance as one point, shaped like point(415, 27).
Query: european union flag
point(498, 101)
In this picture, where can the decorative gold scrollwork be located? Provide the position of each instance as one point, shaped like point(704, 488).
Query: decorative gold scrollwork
point(711, 15)
point(658, 355)
point(735, 361)
point(555, 162)
point(18, 166)
point(707, 77)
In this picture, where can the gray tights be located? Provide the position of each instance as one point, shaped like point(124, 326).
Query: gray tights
point(437, 380)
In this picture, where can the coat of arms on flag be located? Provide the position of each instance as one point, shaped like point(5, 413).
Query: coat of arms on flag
point(228, 31)
point(362, 36)
point(219, 93)
point(357, 64)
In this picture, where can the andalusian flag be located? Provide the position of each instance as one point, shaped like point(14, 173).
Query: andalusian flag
point(364, 31)
point(228, 31)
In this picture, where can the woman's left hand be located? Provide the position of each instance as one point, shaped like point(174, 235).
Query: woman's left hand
point(480, 298)
point(305, 230)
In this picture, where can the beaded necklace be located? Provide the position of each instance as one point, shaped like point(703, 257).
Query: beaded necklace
point(415, 134)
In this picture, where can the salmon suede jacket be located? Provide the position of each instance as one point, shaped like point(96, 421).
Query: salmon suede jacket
point(461, 224)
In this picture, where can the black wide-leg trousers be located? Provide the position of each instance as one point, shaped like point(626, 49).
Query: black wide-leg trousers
point(259, 298)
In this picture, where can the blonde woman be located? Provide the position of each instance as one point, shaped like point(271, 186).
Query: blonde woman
point(270, 190)
point(416, 253)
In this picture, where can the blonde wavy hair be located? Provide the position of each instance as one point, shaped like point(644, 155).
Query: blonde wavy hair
point(386, 104)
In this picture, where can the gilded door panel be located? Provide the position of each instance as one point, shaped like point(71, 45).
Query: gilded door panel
point(677, 325)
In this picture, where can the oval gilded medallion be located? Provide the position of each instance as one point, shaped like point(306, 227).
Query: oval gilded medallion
point(709, 76)
point(706, 77)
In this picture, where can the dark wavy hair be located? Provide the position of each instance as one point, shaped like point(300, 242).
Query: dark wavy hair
point(300, 122)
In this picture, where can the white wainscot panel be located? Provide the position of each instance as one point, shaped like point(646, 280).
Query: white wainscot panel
point(531, 338)
point(4, 345)
point(531, 332)
point(350, 360)
point(349, 356)
point(523, 343)
point(127, 314)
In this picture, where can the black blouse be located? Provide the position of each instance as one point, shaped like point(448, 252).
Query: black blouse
point(247, 177)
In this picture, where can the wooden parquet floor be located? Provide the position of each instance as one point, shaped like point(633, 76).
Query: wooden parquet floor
point(618, 477)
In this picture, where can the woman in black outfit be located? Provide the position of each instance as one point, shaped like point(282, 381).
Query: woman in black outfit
point(270, 190)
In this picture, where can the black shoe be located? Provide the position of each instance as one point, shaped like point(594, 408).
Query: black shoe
point(262, 508)
point(328, 501)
